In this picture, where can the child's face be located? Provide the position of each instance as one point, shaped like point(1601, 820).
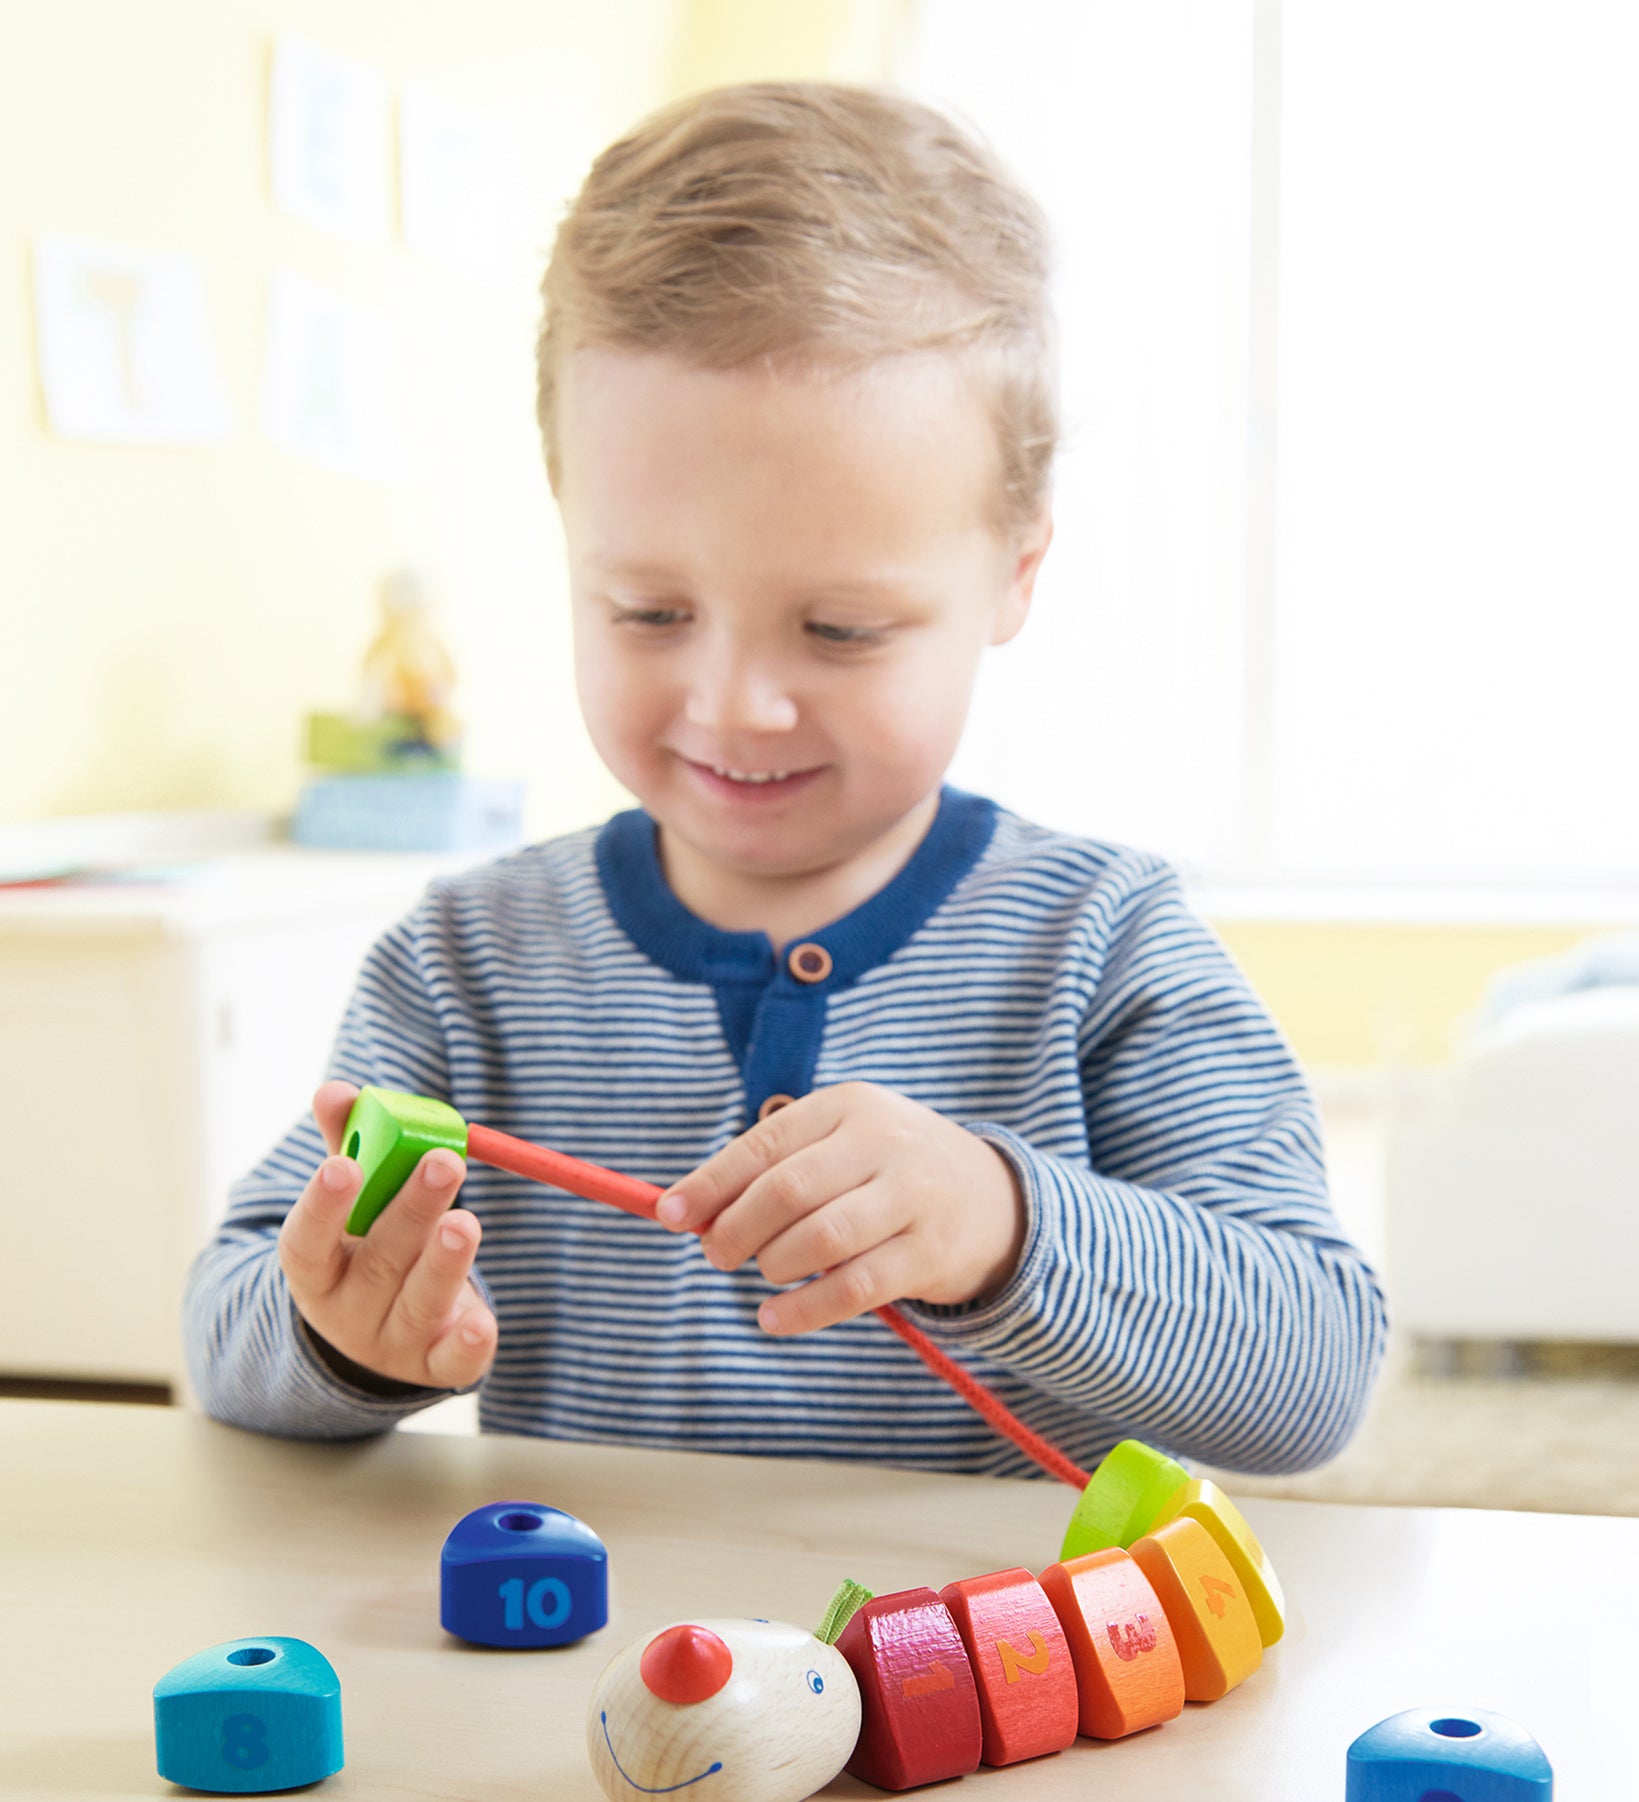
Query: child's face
point(787, 576)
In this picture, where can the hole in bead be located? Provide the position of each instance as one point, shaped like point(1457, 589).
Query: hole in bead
point(253, 1655)
point(1454, 1728)
point(519, 1523)
point(353, 1144)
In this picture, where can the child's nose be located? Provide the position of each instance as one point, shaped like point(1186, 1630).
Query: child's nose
point(731, 693)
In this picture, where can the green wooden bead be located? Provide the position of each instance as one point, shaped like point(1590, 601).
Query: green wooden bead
point(387, 1135)
point(1123, 1500)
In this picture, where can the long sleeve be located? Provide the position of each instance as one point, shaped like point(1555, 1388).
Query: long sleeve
point(251, 1358)
point(1189, 1282)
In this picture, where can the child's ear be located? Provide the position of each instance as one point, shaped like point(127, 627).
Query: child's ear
point(1028, 550)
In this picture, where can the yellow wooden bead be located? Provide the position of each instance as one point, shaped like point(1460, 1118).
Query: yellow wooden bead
point(1202, 1500)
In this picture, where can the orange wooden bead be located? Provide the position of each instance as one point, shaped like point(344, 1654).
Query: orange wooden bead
point(1028, 1700)
point(1126, 1659)
point(919, 1710)
point(1218, 1639)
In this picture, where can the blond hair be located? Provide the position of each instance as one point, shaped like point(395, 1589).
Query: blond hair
point(815, 225)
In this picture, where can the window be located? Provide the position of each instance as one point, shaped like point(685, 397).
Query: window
point(1346, 582)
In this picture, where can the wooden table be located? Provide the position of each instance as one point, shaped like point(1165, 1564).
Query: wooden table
point(134, 1537)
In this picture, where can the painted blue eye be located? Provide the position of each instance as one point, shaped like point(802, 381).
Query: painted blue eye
point(816, 1683)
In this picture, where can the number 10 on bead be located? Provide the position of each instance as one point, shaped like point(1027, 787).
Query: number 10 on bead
point(546, 1602)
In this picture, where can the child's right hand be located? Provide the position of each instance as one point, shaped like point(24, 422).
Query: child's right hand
point(397, 1301)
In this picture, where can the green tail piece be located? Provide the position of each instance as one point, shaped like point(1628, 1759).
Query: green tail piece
point(841, 1609)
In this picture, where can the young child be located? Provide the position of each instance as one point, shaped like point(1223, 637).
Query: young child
point(888, 1041)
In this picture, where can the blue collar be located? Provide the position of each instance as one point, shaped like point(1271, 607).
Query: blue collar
point(628, 861)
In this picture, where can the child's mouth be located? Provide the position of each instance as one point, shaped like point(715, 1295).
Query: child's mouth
point(751, 785)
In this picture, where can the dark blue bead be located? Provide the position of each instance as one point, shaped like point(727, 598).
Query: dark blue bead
point(520, 1574)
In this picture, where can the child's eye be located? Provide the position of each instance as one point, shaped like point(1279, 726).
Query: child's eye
point(845, 635)
point(648, 616)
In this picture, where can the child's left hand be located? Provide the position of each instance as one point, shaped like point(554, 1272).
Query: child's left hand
point(868, 1192)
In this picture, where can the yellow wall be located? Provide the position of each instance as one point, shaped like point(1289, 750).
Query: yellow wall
point(1373, 997)
point(790, 40)
point(167, 616)
point(170, 613)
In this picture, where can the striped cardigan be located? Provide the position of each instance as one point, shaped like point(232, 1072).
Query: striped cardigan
point(1183, 1278)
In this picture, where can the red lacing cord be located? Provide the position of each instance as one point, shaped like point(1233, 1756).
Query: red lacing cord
point(626, 1192)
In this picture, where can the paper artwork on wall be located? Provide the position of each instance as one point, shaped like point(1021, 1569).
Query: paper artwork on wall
point(127, 349)
point(461, 187)
point(329, 142)
point(327, 385)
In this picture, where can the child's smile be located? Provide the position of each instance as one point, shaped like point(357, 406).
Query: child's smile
point(758, 787)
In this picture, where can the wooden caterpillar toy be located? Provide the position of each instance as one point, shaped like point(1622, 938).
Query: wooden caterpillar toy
point(914, 1687)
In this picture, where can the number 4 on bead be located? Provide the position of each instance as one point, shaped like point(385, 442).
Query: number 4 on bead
point(547, 1603)
point(1218, 1594)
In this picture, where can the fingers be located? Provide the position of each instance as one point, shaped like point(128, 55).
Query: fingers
point(802, 1186)
point(693, 1203)
point(332, 1103)
point(431, 1294)
point(464, 1350)
point(843, 1227)
point(398, 1301)
point(399, 1234)
point(878, 1276)
point(312, 1247)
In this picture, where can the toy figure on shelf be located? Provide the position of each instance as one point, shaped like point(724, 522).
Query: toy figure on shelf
point(405, 720)
point(409, 676)
point(387, 777)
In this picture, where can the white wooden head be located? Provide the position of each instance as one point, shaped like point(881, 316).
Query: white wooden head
point(723, 1711)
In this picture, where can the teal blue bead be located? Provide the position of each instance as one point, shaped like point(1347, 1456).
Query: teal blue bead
point(519, 1574)
point(1448, 1755)
point(249, 1715)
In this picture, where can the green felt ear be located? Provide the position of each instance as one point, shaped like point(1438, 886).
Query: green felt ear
point(387, 1134)
point(841, 1609)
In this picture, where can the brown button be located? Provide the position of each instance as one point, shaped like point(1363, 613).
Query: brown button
point(809, 962)
point(773, 1105)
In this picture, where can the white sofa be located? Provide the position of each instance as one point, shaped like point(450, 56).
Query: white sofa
point(1513, 1178)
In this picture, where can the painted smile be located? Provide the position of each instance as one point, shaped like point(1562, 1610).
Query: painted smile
point(664, 1789)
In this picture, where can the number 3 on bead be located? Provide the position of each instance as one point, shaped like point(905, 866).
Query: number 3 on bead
point(244, 1741)
point(542, 1611)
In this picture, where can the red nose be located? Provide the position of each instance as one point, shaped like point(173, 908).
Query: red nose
point(685, 1664)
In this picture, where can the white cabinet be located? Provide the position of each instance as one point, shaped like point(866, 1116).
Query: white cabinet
point(154, 1042)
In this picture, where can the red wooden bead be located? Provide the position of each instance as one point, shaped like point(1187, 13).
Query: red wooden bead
point(919, 1710)
point(1028, 1702)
